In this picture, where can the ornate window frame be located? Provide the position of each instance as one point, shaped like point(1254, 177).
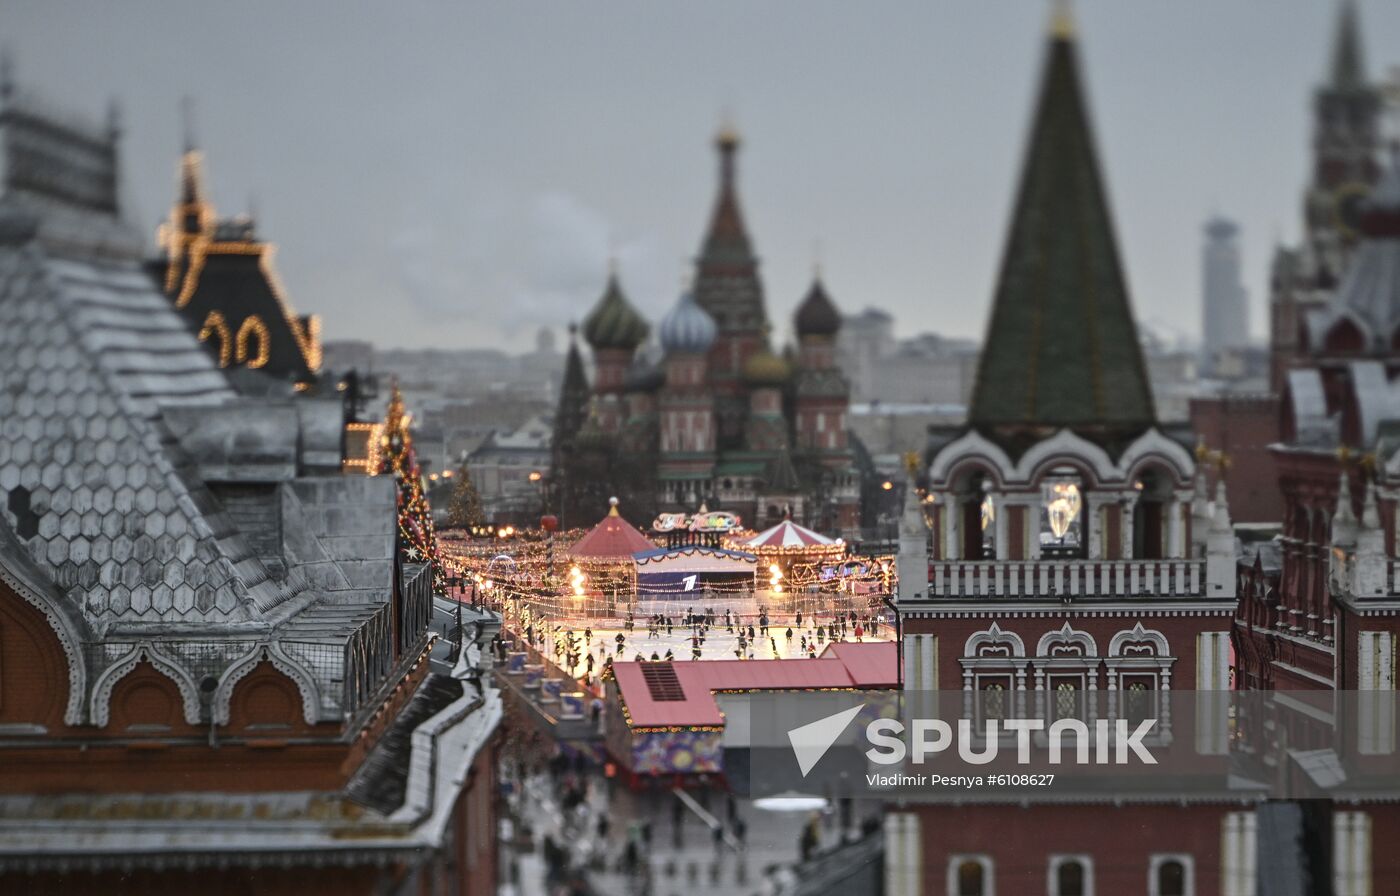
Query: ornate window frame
point(69, 639)
point(1159, 664)
point(240, 669)
point(101, 703)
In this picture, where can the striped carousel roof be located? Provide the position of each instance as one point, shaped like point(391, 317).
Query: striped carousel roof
point(788, 534)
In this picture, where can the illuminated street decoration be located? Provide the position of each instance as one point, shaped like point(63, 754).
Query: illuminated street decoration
point(417, 537)
point(1061, 506)
point(702, 522)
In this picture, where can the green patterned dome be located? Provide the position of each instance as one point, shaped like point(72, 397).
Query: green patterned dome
point(613, 322)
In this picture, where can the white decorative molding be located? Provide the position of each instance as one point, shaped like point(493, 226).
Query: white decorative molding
point(68, 639)
point(969, 445)
point(293, 669)
point(272, 653)
point(994, 635)
point(1154, 445)
point(236, 672)
point(1067, 447)
point(101, 705)
point(1067, 635)
point(1138, 633)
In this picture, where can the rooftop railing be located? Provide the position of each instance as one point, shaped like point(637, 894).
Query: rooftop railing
point(1066, 578)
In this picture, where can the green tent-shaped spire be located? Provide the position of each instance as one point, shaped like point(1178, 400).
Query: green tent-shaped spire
point(573, 397)
point(1348, 65)
point(1061, 348)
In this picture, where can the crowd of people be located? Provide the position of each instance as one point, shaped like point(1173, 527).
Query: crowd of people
point(698, 633)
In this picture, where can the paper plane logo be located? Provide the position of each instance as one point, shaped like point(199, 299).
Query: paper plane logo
point(811, 741)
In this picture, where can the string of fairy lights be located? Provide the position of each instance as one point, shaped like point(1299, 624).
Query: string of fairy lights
point(531, 577)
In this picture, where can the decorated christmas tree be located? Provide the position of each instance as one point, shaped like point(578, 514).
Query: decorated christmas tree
point(464, 511)
point(417, 538)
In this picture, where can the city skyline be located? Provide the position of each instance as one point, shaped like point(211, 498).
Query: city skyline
point(509, 179)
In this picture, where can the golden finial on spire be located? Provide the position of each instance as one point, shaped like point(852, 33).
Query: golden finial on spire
point(1061, 20)
point(911, 462)
point(728, 134)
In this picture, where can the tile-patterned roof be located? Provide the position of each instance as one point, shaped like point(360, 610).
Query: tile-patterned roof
point(1061, 347)
point(93, 484)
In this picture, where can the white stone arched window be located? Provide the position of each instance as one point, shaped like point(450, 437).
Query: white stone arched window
point(1171, 874)
point(971, 875)
point(1070, 875)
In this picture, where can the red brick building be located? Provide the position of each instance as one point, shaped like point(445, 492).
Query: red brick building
point(1242, 427)
point(1074, 564)
point(1303, 278)
point(216, 672)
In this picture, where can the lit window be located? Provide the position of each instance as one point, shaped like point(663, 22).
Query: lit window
point(1061, 515)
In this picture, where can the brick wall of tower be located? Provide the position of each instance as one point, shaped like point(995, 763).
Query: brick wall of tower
point(1243, 426)
point(1118, 842)
point(1182, 633)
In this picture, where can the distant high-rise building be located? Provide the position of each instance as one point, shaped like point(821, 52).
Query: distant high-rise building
point(1224, 309)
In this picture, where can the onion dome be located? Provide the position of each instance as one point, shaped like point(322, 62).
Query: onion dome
point(688, 328)
point(817, 316)
point(643, 376)
point(766, 369)
point(591, 436)
point(613, 322)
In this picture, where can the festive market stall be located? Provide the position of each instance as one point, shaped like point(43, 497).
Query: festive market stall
point(788, 539)
point(792, 559)
point(693, 572)
point(677, 720)
point(602, 573)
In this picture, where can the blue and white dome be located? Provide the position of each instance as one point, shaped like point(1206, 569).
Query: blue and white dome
point(688, 328)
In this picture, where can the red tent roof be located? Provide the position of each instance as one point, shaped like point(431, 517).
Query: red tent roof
point(612, 539)
point(683, 693)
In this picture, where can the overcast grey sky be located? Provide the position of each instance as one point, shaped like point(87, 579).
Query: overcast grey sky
point(454, 174)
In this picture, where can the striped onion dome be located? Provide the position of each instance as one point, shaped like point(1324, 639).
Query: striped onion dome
point(613, 322)
point(688, 328)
